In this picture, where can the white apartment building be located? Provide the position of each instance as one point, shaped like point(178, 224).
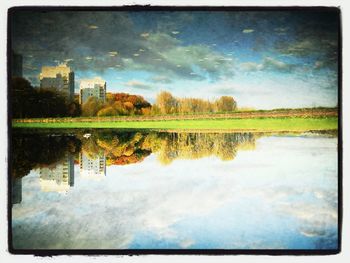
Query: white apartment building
point(95, 87)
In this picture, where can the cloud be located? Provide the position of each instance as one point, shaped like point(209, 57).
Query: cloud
point(137, 85)
point(316, 221)
point(280, 29)
point(318, 64)
point(250, 66)
point(268, 63)
point(145, 35)
point(58, 35)
point(199, 59)
point(313, 232)
point(247, 31)
point(186, 243)
point(167, 56)
point(161, 79)
point(315, 35)
point(225, 90)
point(274, 64)
point(113, 53)
point(310, 37)
point(93, 27)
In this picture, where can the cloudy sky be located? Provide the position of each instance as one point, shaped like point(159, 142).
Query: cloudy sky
point(265, 59)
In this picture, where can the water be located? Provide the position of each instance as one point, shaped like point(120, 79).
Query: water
point(134, 190)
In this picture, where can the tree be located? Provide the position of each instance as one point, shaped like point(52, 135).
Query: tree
point(28, 101)
point(166, 102)
point(22, 97)
point(108, 111)
point(91, 107)
point(49, 103)
point(226, 103)
point(73, 109)
point(119, 108)
point(129, 106)
point(125, 104)
point(155, 110)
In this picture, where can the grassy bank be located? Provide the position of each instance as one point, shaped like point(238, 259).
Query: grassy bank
point(276, 113)
point(247, 124)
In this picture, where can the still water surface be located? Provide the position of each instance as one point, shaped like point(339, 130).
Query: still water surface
point(135, 190)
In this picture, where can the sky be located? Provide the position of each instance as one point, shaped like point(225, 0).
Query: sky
point(264, 59)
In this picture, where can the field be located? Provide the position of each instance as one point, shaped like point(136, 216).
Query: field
point(309, 119)
point(246, 124)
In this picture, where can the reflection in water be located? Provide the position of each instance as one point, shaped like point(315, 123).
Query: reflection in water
point(16, 190)
point(198, 145)
point(174, 190)
point(54, 154)
point(58, 177)
point(36, 150)
point(127, 148)
point(92, 167)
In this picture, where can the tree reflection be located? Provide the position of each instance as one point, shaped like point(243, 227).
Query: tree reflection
point(131, 147)
point(50, 153)
point(171, 146)
point(37, 150)
point(55, 154)
point(118, 148)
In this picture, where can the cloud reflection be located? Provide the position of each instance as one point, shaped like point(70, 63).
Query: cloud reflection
point(181, 202)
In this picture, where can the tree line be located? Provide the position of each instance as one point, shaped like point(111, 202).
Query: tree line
point(116, 104)
point(166, 103)
point(34, 102)
point(124, 104)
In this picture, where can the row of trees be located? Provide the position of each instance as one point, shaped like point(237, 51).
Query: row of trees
point(166, 103)
point(117, 104)
point(30, 102)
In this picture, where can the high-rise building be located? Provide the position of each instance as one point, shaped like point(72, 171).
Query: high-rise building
point(60, 77)
point(92, 168)
point(95, 87)
point(16, 64)
point(58, 178)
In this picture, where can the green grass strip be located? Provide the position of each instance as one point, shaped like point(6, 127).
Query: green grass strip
point(254, 124)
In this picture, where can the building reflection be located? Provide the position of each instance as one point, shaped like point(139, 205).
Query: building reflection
point(56, 155)
point(16, 191)
point(92, 167)
point(58, 177)
point(16, 64)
